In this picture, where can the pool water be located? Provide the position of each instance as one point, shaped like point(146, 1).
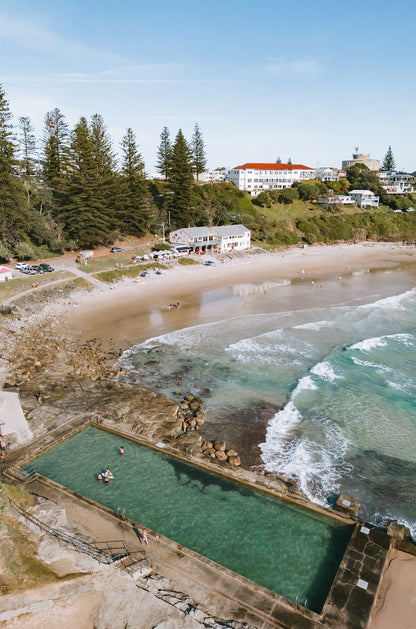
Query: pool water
point(279, 545)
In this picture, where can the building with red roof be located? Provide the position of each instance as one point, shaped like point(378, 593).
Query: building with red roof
point(5, 274)
point(256, 177)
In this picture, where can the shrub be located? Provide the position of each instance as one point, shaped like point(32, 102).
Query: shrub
point(23, 251)
point(161, 246)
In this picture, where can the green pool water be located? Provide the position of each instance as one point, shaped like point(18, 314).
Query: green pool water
point(281, 546)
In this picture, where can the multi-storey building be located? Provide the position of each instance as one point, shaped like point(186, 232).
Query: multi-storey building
point(329, 174)
point(364, 198)
point(222, 238)
point(256, 178)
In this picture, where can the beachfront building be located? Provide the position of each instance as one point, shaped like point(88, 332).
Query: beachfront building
point(331, 200)
point(361, 158)
point(219, 239)
point(255, 177)
point(364, 198)
point(329, 174)
point(5, 274)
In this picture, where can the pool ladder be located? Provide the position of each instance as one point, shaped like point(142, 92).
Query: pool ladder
point(298, 604)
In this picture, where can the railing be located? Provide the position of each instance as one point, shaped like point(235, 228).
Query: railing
point(18, 472)
point(104, 552)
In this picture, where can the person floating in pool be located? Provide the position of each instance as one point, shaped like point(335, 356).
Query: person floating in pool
point(121, 450)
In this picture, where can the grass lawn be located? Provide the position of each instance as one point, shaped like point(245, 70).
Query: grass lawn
point(128, 271)
point(20, 284)
point(112, 260)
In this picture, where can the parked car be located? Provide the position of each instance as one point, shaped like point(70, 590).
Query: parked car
point(21, 265)
point(47, 268)
point(28, 270)
point(116, 250)
point(38, 269)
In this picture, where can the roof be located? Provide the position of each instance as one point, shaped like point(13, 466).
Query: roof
point(231, 230)
point(360, 192)
point(4, 269)
point(255, 166)
point(197, 232)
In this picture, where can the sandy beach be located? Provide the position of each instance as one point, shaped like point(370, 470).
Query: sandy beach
point(132, 311)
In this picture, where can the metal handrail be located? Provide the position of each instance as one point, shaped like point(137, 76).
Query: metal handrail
point(117, 549)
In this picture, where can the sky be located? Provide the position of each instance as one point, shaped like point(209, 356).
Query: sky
point(265, 79)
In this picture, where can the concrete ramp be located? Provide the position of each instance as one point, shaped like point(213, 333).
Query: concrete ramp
point(13, 425)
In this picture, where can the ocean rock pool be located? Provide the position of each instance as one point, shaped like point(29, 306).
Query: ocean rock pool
point(284, 547)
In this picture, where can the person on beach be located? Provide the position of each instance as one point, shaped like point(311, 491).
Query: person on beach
point(144, 539)
point(2, 447)
point(38, 396)
point(121, 450)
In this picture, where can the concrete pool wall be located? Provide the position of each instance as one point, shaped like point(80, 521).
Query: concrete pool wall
point(349, 601)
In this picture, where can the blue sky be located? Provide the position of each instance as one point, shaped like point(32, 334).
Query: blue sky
point(266, 79)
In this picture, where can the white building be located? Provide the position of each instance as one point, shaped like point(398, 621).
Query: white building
point(329, 174)
point(329, 200)
point(209, 176)
point(396, 183)
point(364, 198)
point(256, 178)
point(5, 274)
point(222, 239)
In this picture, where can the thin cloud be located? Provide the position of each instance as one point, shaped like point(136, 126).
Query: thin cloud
point(306, 68)
point(35, 37)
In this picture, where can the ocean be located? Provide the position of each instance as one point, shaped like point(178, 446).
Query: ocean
point(324, 393)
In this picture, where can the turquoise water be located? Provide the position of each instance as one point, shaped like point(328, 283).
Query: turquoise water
point(281, 546)
point(343, 376)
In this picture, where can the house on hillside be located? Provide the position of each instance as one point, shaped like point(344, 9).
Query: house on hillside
point(256, 178)
point(329, 174)
point(330, 200)
point(396, 183)
point(222, 239)
point(364, 198)
point(5, 274)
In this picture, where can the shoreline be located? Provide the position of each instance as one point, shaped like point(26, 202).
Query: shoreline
point(125, 313)
point(133, 312)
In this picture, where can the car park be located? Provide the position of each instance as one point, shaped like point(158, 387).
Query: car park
point(116, 250)
point(47, 268)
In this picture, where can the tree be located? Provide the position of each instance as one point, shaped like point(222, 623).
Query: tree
point(55, 144)
point(389, 163)
point(85, 210)
point(278, 161)
point(27, 142)
point(362, 178)
point(181, 181)
point(164, 154)
point(199, 159)
point(132, 205)
point(289, 161)
point(14, 212)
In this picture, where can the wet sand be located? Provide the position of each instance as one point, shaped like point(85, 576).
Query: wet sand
point(294, 279)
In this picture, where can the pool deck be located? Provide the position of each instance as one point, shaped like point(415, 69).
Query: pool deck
point(215, 588)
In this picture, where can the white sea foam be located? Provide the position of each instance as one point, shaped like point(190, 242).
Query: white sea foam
point(325, 371)
point(314, 325)
point(368, 344)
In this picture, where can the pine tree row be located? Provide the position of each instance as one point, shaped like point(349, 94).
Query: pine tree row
point(77, 194)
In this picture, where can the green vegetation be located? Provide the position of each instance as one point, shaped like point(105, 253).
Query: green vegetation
point(187, 261)
point(131, 271)
point(83, 197)
point(20, 284)
point(112, 260)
